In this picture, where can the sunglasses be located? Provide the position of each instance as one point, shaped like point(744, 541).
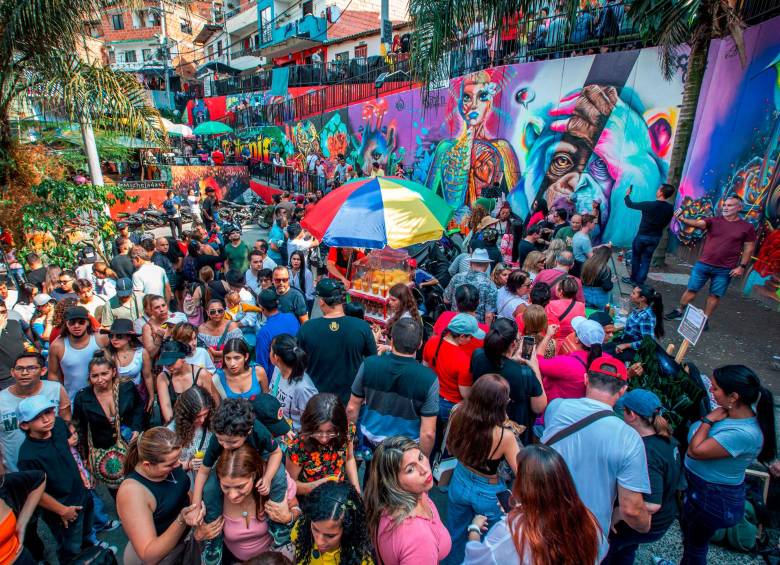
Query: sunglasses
point(216, 311)
point(281, 280)
point(76, 322)
point(117, 336)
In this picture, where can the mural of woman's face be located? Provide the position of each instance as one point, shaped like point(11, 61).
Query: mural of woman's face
point(475, 102)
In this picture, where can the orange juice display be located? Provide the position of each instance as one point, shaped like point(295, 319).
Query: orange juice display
point(374, 276)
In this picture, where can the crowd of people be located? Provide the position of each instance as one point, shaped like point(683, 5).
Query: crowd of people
point(240, 409)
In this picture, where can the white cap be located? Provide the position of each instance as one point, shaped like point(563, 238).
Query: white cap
point(41, 299)
point(588, 332)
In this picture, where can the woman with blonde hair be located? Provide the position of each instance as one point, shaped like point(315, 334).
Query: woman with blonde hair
point(536, 324)
point(555, 247)
point(534, 263)
point(403, 523)
point(499, 275)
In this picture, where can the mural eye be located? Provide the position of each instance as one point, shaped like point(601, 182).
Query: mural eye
point(598, 168)
point(484, 96)
point(561, 164)
point(466, 98)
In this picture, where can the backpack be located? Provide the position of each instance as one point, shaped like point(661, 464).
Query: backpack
point(190, 269)
point(193, 309)
point(169, 206)
point(95, 555)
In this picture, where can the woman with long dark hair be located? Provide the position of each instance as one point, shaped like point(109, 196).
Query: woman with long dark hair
point(25, 306)
point(597, 278)
point(646, 319)
point(403, 522)
point(548, 523)
point(217, 330)
point(480, 440)
point(191, 422)
point(177, 375)
point(106, 412)
point(332, 528)
point(501, 354)
point(238, 377)
point(290, 383)
point(245, 511)
point(302, 278)
point(131, 359)
point(322, 450)
point(401, 302)
point(720, 447)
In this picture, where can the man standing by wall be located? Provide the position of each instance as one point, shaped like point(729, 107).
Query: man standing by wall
point(728, 246)
point(656, 215)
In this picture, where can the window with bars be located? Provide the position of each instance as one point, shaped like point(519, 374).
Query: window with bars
point(361, 51)
point(117, 22)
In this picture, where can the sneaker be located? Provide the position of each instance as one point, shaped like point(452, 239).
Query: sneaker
point(627, 280)
point(675, 314)
point(707, 326)
point(105, 545)
point(110, 526)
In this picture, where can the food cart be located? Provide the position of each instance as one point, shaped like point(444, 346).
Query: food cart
point(373, 277)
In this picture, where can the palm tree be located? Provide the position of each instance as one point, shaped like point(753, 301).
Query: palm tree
point(440, 24)
point(38, 58)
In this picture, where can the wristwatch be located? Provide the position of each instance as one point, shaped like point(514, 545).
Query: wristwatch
point(705, 420)
point(474, 528)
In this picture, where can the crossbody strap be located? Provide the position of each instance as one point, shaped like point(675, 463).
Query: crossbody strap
point(568, 309)
point(577, 426)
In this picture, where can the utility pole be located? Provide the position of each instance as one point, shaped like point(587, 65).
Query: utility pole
point(165, 53)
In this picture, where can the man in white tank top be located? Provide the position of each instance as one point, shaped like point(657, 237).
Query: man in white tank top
point(27, 370)
point(70, 354)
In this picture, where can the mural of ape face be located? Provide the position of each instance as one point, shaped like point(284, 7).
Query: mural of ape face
point(590, 147)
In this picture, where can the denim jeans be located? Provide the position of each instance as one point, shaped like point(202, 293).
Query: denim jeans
point(212, 497)
point(596, 297)
point(642, 250)
point(707, 507)
point(99, 517)
point(70, 540)
point(624, 543)
point(445, 407)
point(469, 494)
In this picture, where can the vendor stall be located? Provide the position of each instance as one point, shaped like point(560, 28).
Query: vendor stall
point(374, 275)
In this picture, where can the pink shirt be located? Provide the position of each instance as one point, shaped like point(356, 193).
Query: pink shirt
point(563, 376)
point(556, 308)
point(415, 541)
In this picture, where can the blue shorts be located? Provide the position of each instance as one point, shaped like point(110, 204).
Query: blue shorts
point(718, 276)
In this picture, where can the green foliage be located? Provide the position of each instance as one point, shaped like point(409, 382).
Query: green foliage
point(74, 215)
point(678, 393)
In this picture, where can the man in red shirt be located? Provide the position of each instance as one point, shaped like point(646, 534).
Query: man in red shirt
point(727, 249)
point(217, 157)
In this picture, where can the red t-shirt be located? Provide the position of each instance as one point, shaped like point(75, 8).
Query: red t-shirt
point(443, 321)
point(724, 241)
point(452, 367)
point(341, 262)
point(218, 157)
point(554, 310)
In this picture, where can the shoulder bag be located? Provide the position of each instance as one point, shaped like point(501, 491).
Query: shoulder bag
point(577, 426)
point(107, 464)
point(443, 467)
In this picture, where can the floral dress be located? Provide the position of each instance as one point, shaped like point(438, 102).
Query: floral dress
point(323, 462)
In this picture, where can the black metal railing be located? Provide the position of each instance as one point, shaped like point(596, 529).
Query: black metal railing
point(757, 11)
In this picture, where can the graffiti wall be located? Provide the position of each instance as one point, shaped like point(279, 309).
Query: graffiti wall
point(230, 182)
point(215, 108)
point(736, 145)
point(574, 131)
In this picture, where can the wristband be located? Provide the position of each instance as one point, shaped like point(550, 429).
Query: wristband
point(180, 520)
point(474, 528)
point(707, 421)
point(743, 265)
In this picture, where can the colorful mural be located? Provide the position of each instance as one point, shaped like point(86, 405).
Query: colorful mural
point(230, 182)
point(573, 131)
point(736, 146)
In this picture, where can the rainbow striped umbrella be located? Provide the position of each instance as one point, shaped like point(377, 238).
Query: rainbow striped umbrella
point(376, 212)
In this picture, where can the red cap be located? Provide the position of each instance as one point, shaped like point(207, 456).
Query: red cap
point(609, 366)
point(412, 263)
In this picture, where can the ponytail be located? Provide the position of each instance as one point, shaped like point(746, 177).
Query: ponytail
point(656, 303)
point(444, 334)
point(286, 347)
point(499, 340)
point(153, 446)
point(744, 381)
point(594, 352)
point(661, 424)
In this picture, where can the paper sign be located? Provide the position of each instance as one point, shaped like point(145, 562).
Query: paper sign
point(692, 324)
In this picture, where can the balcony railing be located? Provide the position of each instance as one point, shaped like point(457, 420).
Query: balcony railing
point(244, 52)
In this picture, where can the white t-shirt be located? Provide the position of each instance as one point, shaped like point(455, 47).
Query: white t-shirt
point(201, 358)
point(150, 279)
point(11, 437)
point(93, 305)
point(292, 396)
point(601, 456)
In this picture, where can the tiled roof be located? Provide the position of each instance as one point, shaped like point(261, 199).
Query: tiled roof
point(353, 21)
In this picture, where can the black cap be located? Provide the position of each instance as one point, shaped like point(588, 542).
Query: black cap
point(329, 288)
point(171, 351)
point(268, 299)
point(234, 278)
point(121, 326)
point(76, 313)
point(601, 318)
point(269, 411)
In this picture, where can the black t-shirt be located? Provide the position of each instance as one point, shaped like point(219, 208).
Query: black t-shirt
point(11, 346)
point(174, 252)
point(656, 215)
point(53, 457)
point(336, 347)
point(523, 385)
point(523, 250)
point(663, 467)
point(37, 277)
point(122, 265)
point(293, 301)
point(16, 487)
